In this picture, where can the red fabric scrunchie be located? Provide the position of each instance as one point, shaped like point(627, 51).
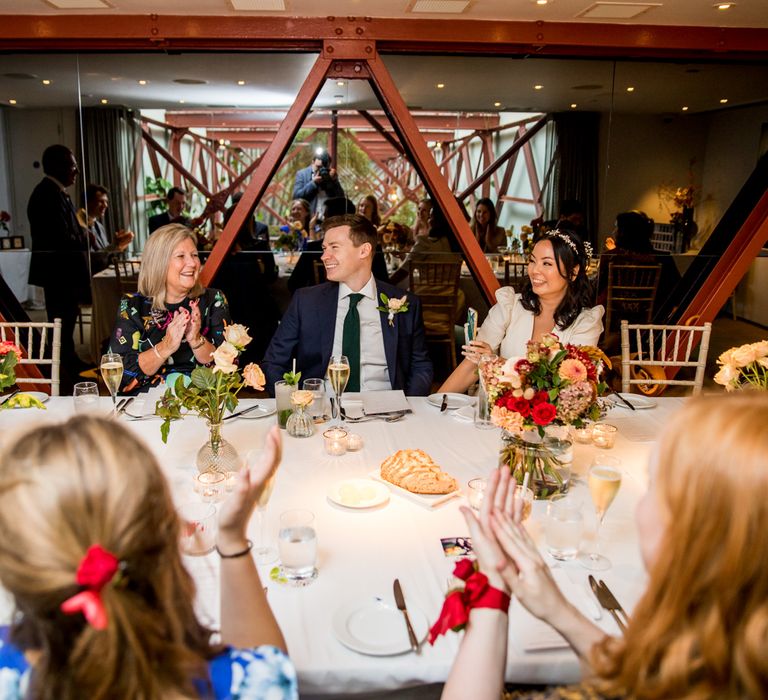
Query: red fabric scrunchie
point(476, 594)
point(97, 568)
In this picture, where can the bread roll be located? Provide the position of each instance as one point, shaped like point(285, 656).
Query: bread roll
point(415, 471)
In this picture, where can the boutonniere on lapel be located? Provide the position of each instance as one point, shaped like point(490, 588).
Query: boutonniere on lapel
point(392, 306)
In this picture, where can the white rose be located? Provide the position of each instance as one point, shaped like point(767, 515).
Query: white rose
point(744, 355)
point(727, 376)
point(397, 304)
point(529, 393)
point(237, 334)
point(224, 358)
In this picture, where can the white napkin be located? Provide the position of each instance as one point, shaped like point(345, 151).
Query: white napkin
point(384, 401)
point(466, 414)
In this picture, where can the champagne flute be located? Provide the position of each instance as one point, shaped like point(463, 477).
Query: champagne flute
point(604, 480)
point(338, 375)
point(263, 553)
point(112, 373)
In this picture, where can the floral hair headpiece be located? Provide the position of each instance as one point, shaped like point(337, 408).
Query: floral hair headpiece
point(96, 569)
point(565, 236)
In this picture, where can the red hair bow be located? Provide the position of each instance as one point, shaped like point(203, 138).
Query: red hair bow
point(97, 568)
point(476, 594)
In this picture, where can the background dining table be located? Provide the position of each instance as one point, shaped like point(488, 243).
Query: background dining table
point(361, 551)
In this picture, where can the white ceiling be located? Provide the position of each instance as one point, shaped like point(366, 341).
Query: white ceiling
point(745, 13)
point(471, 83)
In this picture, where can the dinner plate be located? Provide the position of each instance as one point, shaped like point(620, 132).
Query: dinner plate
point(639, 402)
point(376, 627)
point(358, 493)
point(41, 396)
point(454, 400)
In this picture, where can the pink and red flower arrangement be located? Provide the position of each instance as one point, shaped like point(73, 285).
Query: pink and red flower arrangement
point(553, 384)
point(9, 357)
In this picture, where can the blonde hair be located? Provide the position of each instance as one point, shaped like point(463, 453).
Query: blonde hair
point(84, 482)
point(155, 260)
point(701, 628)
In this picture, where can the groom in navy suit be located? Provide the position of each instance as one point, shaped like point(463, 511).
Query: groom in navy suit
point(386, 351)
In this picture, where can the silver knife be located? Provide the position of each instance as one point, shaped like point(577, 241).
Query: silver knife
point(623, 400)
point(444, 405)
point(400, 602)
point(602, 599)
point(244, 411)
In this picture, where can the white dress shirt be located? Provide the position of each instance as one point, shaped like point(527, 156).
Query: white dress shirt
point(374, 374)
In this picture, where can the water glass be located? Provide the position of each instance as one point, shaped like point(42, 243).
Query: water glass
point(198, 528)
point(476, 492)
point(317, 387)
point(85, 396)
point(563, 527)
point(297, 544)
point(283, 391)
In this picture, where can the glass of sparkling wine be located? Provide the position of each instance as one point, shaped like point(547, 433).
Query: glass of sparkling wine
point(604, 479)
point(297, 542)
point(112, 373)
point(338, 375)
point(263, 553)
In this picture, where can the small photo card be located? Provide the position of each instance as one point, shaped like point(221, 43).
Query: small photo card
point(456, 546)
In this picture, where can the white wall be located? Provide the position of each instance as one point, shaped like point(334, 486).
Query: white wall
point(29, 133)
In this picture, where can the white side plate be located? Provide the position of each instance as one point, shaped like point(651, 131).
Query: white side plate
point(454, 400)
point(639, 402)
point(41, 396)
point(358, 493)
point(377, 628)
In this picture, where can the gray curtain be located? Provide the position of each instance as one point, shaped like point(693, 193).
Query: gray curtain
point(578, 142)
point(110, 139)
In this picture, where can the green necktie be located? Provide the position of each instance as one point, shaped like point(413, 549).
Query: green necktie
point(350, 342)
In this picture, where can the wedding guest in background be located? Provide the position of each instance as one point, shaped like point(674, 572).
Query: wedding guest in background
point(557, 298)
point(105, 607)
point(484, 227)
point(699, 630)
point(317, 182)
point(60, 253)
point(91, 218)
point(176, 201)
point(341, 316)
point(369, 208)
point(421, 227)
point(173, 323)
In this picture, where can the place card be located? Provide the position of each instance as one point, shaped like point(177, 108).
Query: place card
point(384, 402)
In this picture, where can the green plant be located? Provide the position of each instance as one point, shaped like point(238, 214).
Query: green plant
point(157, 187)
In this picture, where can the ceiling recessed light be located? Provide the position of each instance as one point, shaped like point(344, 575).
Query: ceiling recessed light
point(338, 102)
point(142, 82)
point(46, 82)
point(724, 5)
point(573, 105)
point(440, 6)
point(181, 102)
point(538, 87)
point(104, 101)
point(542, 2)
point(724, 101)
point(630, 89)
point(258, 5)
point(79, 4)
point(11, 102)
point(685, 109)
point(340, 83)
point(440, 86)
point(497, 104)
point(241, 82)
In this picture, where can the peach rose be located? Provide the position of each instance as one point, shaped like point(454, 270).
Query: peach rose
point(728, 377)
point(727, 357)
point(254, 377)
point(744, 355)
point(396, 304)
point(224, 358)
point(761, 348)
point(237, 335)
point(302, 397)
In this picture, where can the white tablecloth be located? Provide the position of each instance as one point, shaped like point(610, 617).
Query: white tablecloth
point(14, 268)
point(361, 552)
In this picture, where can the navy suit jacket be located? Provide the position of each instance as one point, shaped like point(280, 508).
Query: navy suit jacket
point(307, 329)
point(304, 187)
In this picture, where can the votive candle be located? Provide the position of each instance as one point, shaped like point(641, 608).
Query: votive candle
point(335, 441)
point(354, 442)
point(604, 435)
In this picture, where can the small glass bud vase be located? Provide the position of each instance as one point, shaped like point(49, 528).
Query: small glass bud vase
point(300, 423)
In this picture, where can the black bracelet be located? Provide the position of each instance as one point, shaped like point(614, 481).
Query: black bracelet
point(236, 554)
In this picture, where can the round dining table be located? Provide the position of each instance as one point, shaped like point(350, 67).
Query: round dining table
point(362, 550)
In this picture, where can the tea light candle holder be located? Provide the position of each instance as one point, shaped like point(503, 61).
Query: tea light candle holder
point(335, 441)
point(354, 442)
point(230, 482)
point(582, 435)
point(210, 485)
point(476, 492)
point(604, 435)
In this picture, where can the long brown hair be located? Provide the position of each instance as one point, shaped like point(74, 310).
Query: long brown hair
point(62, 489)
point(701, 628)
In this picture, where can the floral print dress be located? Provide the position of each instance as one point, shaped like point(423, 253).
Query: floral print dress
point(261, 673)
point(139, 328)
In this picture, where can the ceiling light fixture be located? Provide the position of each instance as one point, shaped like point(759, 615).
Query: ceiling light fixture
point(685, 109)
point(11, 102)
point(440, 86)
point(181, 102)
point(258, 5)
point(338, 102)
point(340, 83)
point(724, 5)
point(542, 2)
point(241, 82)
point(630, 89)
point(104, 101)
point(573, 105)
point(497, 104)
point(538, 87)
point(724, 101)
point(142, 82)
point(46, 82)
point(440, 6)
point(79, 4)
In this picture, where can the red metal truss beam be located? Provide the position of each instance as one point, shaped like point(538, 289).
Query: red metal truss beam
point(533, 177)
point(420, 155)
point(519, 143)
point(268, 165)
point(408, 193)
point(382, 131)
point(178, 167)
point(156, 32)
